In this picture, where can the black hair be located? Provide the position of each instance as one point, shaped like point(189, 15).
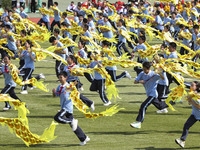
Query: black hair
point(64, 24)
point(106, 43)
point(172, 44)
point(64, 74)
point(158, 12)
point(29, 42)
point(56, 3)
point(146, 64)
point(131, 11)
point(64, 14)
point(90, 16)
point(8, 26)
point(122, 21)
point(85, 20)
point(173, 13)
point(73, 58)
point(52, 39)
point(196, 27)
point(56, 30)
point(86, 26)
point(168, 27)
point(7, 56)
point(143, 38)
point(164, 45)
point(181, 26)
point(44, 3)
point(23, 32)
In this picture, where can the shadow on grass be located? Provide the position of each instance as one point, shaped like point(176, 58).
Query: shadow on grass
point(153, 148)
point(127, 85)
point(121, 133)
point(133, 93)
point(40, 146)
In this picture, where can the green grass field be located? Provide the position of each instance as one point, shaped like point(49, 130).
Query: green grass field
point(107, 133)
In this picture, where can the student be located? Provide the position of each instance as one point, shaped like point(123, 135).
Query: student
point(10, 39)
point(100, 22)
point(158, 21)
point(9, 83)
point(23, 14)
point(56, 33)
point(57, 17)
point(98, 84)
point(112, 69)
point(83, 54)
point(29, 58)
point(45, 18)
point(185, 41)
point(33, 6)
point(107, 33)
point(88, 34)
point(72, 78)
point(149, 79)
point(195, 36)
point(65, 115)
point(91, 24)
point(63, 53)
point(122, 39)
point(140, 46)
point(194, 117)
point(173, 55)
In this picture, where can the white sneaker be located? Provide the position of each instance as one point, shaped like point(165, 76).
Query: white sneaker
point(92, 106)
point(180, 142)
point(81, 89)
point(128, 75)
point(6, 108)
point(74, 124)
point(42, 76)
point(162, 111)
point(33, 87)
point(24, 92)
point(108, 103)
point(136, 125)
point(86, 140)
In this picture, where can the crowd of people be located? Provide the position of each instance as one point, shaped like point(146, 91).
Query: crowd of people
point(99, 27)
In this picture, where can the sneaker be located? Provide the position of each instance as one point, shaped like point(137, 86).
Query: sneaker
point(81, 89)
point(6, 108)
point(42, 76)
point(136, 125)
point(24, 92)
point(162, 111)
point(108, 103)
point(33, 87)
point(86, 140)
point(128, 75)
point(92, 106)
point(74, 124)
point(180, 142)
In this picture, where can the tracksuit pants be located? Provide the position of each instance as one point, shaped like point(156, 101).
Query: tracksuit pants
point(115, 78)
point(99, 85)
point(54, 23)
point(59, 67)
point(89, 77)
point(46, 23)
point(146, 103)
point(11, 91)
point(27, 75)
point(191, 120)
point(122, 44)
point(66, 118)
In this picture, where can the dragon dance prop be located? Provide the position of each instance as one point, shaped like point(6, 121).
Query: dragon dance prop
point(75, 97)
point(20, 125)
point(33, 81)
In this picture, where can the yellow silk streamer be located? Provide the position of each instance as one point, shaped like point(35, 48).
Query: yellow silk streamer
point(33, 81)
point(126, 35)
point(20, 125)
point(7, 50)
point(75, 97)
point(46, 11)
point(176, 95)
point(185, 35)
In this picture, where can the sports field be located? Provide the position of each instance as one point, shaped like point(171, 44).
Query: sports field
point(158, 131)
point(107, 133)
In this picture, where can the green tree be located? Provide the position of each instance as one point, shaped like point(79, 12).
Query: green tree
point(6, 3)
